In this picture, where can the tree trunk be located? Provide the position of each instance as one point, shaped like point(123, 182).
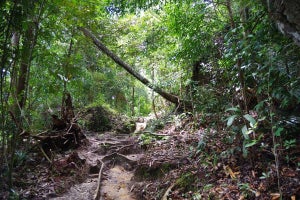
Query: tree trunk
point(30, 39)
point(20, 78)
point(169, 97)
point(241, 76)
point(132, 101)
point(24, 67)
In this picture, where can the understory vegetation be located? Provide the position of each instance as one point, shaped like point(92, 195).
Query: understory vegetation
point(215, 81)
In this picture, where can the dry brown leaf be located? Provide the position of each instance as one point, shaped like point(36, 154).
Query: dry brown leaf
point(293, 197)
point(257, 193)
point(275, 196)
point(228, 171)
point(219, 190)
point(241, 197)
point(262, 186)
point(288, 172)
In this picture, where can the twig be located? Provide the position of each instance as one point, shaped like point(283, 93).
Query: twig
point(75, 118)
point(70, 127)
point(132, 187)
point(115, 154)
point(44, 153)
point(43, 137)
point(158, 134)
point(98, 190)
point(41, 133)
point(123, 147)
point(165, 197)
point(74, 134)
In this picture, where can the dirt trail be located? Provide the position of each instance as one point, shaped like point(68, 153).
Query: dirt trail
point(120, 154)
point(116, 186)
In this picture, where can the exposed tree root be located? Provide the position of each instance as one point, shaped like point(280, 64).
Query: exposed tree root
point(98, 190)
point(165, 197)
point(44, 153)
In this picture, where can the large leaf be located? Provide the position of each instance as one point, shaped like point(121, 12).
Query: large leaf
point(251, 143)
point(250, 119)
point(278, 131)
point(245, 132)
point(230, 120)
point(235, 109)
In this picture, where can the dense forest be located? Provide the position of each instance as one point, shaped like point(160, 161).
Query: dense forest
point(214, 85)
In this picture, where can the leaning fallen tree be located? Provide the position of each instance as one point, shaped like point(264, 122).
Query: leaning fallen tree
point(169, 97)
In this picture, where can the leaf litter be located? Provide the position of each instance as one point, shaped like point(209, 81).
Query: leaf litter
point(185, 161)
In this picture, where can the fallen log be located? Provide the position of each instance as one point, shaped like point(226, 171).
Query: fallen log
point(180, 104)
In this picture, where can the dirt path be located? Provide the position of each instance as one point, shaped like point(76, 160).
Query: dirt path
point(119, 154)
point(116, 186)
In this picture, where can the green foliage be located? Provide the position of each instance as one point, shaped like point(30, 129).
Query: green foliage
point(289, 143)
point(248, 130)
point(265, 175)
point(20, 157)
point(98, 119)
point(187, 23)
point(147, 138)
point(206, 100)
point(185, 181)
point(246, 190)
point(13, 195)
point(143, 107)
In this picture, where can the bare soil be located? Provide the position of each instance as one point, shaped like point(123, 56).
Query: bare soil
point(115, 151)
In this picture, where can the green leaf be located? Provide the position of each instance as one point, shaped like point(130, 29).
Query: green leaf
point(278, 132)
point(260, 105)
point(250, 119)
point(262, 119)
point(245, 150)
point(236, 109)
point(230, 120)
point(253, 142)
point(245, 132)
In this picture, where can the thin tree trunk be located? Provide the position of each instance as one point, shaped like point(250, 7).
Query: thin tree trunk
point(228, 5)
point(26, 58)
point(66, 74)
point(3, 92)
point(132, 103)
point(26, 55)
point(241, 76)
point(169, 97)
point(22, 75)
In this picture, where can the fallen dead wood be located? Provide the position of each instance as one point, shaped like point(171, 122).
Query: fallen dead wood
point(123, 147)
point(165, 197)
point(98, 190)
point(65, 134)
point(157, 134)
point(110, 143)
point(63, 140)
point(168, 96)
point(44, 137)
point(44, 153)
point(119, 157)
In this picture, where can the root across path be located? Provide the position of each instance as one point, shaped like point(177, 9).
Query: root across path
point(111, 159)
